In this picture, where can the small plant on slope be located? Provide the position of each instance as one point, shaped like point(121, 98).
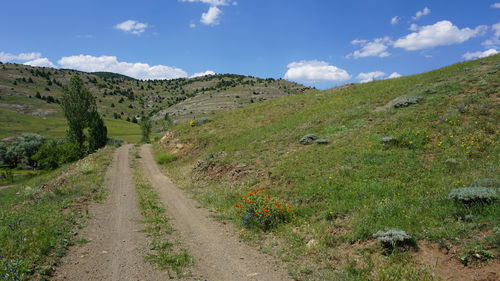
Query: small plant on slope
point(470, 195)
point(263, 211)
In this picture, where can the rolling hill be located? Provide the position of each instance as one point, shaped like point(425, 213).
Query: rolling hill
point(33, 93)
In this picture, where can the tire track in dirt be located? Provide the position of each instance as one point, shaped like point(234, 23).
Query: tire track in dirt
point(216, 249)
point(117, 246)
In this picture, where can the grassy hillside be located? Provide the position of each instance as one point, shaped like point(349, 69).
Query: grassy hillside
point(15, 124)
point(349, 189)
point(34, 92)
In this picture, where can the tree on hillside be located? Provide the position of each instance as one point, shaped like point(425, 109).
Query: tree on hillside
point(80, 109)
point(167, 122)
point(98, 133)
point(146, 126)
point(77, 103)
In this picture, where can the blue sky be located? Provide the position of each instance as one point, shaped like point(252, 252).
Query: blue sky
point(316, 42)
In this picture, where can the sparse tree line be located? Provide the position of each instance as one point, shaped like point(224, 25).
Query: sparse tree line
point(87, 133)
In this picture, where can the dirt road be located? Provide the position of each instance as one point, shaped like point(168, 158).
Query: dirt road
point(117, 248)
point(218, 253)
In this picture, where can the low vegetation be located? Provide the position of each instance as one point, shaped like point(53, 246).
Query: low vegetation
point(385, 167)
point(39, 216)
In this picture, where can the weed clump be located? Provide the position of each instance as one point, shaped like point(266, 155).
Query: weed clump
point(471, 195)
point(164, 158)
point(395, 239)
point(308, 139)
point(263, 211)
point(406, 101)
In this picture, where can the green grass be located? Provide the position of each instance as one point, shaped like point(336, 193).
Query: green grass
point(15, 176)
point(166, 253)
point(38, 221)
point(15, 124)
point(164, 158)
point(356, 186)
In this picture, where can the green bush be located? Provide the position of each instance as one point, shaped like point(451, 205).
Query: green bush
point(164, 158)
point(52, 154)
point(470, 195)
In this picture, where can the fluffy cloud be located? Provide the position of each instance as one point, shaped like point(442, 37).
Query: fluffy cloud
point(376, 48)
point(6, 57)
point(45, 62)
point(422, 13)
point(395, 20)
point(394, 75)
point(441, 33)
point(476, 55)
point(315, 71)
point(111, 64)
point(201, 74)
point(132, 26)
point(210, 2)
point(494, 41)
point(370, 76)
point(495, 5)
point(211, 16)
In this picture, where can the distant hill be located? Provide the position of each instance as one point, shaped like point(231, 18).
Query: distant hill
point(112, 75)
point(35, 92)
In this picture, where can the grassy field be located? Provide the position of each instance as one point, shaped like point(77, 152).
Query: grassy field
point(39, 216)
point(15, 124)
point(349, 189)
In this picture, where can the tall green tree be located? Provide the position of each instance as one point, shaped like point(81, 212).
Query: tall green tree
point(78, 105)
point(98, 133)
point(146, 126)
point(80, 109)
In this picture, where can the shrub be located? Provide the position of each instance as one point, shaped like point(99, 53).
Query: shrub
point(52, 154)
point(395, 239)
point(470, 195)
point(263, 211)
point(164, 158)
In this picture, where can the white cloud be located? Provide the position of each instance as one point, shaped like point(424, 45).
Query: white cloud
point(211, 2)
point(315, 71)
point(211, 16)
point(479, 54)
point(44, 62)
point(495, 5)
point(132, 26)
point(413, 27)
point(370, 76)
point(496, 28)
point(192, 25)
point(201, 74)
point(394, 75)
point(441, 33)
point(376, 48)
point(494, 41)
point(111, 64)
point(7, 57)
point(395, 20)
point(422, 13)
